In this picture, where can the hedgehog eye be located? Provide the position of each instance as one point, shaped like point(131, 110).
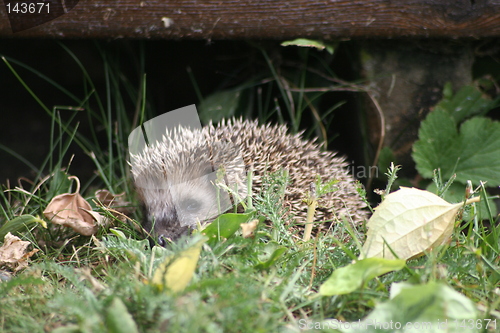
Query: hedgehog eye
point(191, 205)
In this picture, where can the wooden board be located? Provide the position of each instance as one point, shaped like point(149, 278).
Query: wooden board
point(233, 19)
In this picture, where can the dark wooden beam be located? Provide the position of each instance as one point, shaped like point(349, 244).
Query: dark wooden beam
point(231, 19)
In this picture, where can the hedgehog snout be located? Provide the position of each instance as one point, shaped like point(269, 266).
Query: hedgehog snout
point(162, 223)
point(162, 241)
point(166, 231)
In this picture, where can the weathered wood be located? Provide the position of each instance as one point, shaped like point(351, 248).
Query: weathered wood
point(407, 79)
point(230, 19)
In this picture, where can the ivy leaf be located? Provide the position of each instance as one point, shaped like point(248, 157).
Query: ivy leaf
point(473, 153)
point(409, 222)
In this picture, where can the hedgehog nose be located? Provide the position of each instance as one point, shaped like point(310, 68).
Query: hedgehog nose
point(162, 240)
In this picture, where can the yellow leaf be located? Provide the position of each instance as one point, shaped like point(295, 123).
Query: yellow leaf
point(410, 221)
point(176, 271)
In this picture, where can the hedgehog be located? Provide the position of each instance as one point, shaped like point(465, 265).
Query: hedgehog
point(179, 177)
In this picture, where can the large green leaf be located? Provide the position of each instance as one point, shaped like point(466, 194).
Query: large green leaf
point(435, 147)
point(467, 102)
point(474, 150)
point(480, 151)
point(224, 227)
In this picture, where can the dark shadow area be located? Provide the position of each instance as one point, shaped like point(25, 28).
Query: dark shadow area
point(214, 66)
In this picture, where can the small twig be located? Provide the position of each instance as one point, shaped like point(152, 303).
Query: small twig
point(327, 89)
point(315, 258)
point(382, 138)
point(472, 200)
point(312, 203)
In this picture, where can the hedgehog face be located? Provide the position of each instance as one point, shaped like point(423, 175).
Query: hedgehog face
point(176, 179)
point(174, 209)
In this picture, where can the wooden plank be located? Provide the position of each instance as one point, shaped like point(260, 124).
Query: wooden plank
point(230, 19)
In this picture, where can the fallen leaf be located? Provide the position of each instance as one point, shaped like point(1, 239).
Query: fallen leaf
point(247, 229)
point(409, 221)
point(13, 252)
point(176, 271)
point(114, 203)
point(71, 210)
point(107, 198)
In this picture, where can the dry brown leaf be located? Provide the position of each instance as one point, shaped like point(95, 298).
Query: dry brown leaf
point(247, 229)
point(100, 219)
point(114, 203)
point(109, 199)
point(13, 252)
point(71, 210)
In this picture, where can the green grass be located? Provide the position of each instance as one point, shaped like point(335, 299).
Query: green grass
point(102, 283)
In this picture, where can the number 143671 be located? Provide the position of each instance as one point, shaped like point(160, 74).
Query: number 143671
point(28, 7)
